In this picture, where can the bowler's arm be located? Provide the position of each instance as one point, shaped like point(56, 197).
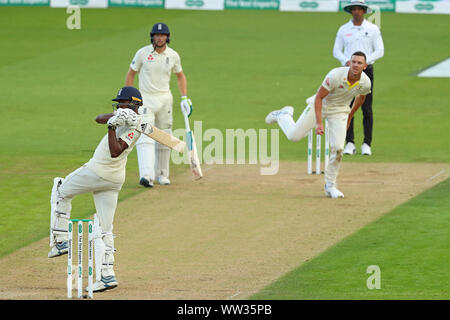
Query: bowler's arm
point(359, 100)
point(320, 95)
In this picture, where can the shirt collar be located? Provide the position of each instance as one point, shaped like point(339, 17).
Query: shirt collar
point(345, 79)
point(363, 24)
point(164, 52)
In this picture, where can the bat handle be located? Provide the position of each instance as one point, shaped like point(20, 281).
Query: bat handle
point(186, 122)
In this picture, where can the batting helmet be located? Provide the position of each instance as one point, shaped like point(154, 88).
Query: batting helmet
point(160, 28)
point(130, 94)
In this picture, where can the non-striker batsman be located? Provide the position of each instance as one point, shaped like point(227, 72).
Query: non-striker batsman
point(155, 63)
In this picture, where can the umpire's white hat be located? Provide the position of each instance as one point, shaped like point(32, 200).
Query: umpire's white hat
point(359, 3)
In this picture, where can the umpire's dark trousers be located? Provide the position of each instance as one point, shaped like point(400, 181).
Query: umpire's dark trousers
point(367, 114)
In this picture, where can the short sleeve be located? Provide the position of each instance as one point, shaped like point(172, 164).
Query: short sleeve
point(136, 63)
point(329, 82)
point(365, 90)
point(177, 64)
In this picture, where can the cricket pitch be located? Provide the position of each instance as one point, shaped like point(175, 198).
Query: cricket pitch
point(227, 235)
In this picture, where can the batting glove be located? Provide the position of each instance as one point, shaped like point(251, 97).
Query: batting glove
point(115, 121)
point(125, 113)
point(129, 117)
point(186, 105)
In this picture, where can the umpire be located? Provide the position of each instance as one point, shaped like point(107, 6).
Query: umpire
point(359, 35)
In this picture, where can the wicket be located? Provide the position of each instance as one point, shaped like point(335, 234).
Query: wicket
point(80, 258)
point(318, 150)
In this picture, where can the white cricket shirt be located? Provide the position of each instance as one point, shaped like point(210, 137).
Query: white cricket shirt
point(341, 92)
point(155, 69)
point(366, 38)
point(108, 168)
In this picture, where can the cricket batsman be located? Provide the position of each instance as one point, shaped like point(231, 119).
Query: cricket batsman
point(331, 101)
point(103, 175)
point(155, 63)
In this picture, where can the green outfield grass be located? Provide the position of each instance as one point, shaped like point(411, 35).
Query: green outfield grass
point(410, 245)
point(239, 64)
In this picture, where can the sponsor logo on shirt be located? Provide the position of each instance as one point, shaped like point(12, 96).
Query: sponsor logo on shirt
point(150, 57)
point(131, 135)
point(348, 35)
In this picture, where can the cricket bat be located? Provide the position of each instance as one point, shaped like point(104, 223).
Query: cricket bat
point(161, 136)
point(192, 150)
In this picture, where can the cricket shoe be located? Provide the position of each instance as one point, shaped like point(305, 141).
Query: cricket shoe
point(105, 283)
point(59, 249)
point(163, 181)
point(350, 148)
point(146, 182)
point(366, 150)
point(272, 117)
point(332, 192)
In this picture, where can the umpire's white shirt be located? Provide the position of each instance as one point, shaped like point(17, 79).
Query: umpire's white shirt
point(155, 69)
point(108, 168)
point(366, 38)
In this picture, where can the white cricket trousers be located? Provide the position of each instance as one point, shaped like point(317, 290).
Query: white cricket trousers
point(337, 124)
point(84, 180)
point(153, 157)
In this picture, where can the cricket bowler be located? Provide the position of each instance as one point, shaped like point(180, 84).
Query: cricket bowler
point(103, 175)
point(331, 101)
